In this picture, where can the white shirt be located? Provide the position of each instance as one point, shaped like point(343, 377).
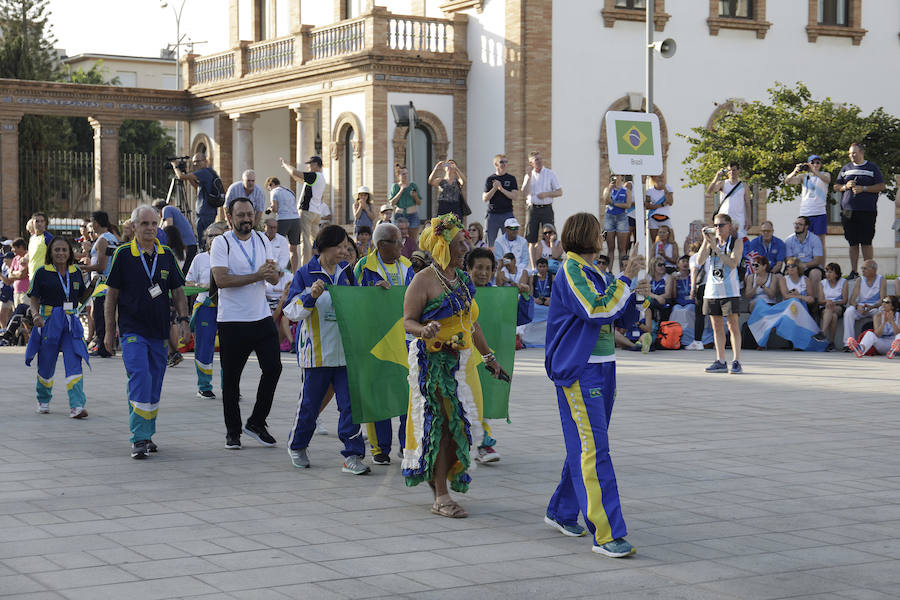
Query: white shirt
point(281, 249)
point(199, 273)
point(256, 195)
point(545, 181)
point(246, 303)
point(518, 246)
point(658, 197)
point(815, 196)
point(734, 206)
point(273, 292)
point(316, 204)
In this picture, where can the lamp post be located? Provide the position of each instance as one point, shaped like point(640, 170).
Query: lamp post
point(406, 116)
point(177, 12)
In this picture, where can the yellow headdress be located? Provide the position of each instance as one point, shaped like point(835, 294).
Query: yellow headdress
point(437, 236)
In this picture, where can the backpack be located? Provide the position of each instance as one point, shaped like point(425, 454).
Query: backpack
point(669, 335)
point(215, 193)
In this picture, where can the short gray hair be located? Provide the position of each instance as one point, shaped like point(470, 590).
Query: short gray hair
point(271, 218)
point(383, 232)
point(216, 228)
point(247, 173)
point(136, 213)
point(399, 220)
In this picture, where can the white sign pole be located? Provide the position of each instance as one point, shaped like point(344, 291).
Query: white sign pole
point(642, 240)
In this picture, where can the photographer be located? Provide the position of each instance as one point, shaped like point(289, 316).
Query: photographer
point(210, 191)
point(814, 197)
point(735, 200)
point(720, 254)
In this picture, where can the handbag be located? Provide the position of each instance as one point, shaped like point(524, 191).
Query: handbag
point(464, 209)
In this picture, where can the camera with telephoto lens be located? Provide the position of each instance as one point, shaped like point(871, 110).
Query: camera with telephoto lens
point(803, 168)
point(182, 162)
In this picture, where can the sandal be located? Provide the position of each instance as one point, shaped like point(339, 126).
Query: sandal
point(449, 509)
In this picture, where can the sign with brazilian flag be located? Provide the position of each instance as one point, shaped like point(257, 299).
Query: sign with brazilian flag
point(371, 324)
point(633, 141)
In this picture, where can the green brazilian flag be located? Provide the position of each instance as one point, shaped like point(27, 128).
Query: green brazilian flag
point(371, 325)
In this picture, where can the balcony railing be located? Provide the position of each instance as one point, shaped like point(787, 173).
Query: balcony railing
point(378, 32)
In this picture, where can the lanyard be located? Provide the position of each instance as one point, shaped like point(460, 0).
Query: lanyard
point(542, 287)
point(65, 285)
point(387, 275)
point(250, 261)
point(149, 271)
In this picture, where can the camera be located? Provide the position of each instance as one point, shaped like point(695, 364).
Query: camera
point(803, 168)
point(709, 230)
point(182, 162)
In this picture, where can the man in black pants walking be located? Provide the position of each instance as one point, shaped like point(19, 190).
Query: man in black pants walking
point(242, 261)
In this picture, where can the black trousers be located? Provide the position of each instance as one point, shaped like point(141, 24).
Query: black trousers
point(100, 325)
point(699, 317)
point(236, 341)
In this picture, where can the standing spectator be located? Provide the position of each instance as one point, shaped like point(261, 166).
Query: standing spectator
point(476, 235)
point(450, 184)
point(512, 243)
point(698, 289)
point(127, 231)
point(142, 275)
point(665, 247)
point(884, 337)
point(760, 284)
point(409, 242)
point(37, 244)
point(500, 191)
point(833, 297)
point(171, 216)
point(542, 283)
point(814, 196)
point(540, 187)
point(721, 254)
point(6, 289)
point(310, 203)
point(242, 261)
point(320, 352)
point(284, 206)
point(659, 200)
point(735, 197)
point(618, 201)
point(807, 249)
point(860, 181)
point(101, 261)
point(386, 214)
point(865, 299)
point(210, 193)
point(548, 248)
point(18, 271)
point(204, 317)
point(363, 210)
point(57, 288)
point(281, 248)
point(247, 188)
point(766, 244)
point(405, 199)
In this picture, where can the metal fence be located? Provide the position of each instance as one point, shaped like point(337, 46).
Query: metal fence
point(142, 179)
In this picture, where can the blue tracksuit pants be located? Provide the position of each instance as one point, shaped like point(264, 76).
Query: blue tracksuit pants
point(205, 328)
point(588, 482)
point(380, 435)
point(145, 364)
point(314, 383)
point(46, 367)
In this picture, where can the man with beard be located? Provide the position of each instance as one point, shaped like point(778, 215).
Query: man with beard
point(242, 261)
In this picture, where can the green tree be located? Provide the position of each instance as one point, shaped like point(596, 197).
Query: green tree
point(769, 138)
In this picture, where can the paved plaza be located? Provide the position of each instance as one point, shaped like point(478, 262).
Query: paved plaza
point(783, 482)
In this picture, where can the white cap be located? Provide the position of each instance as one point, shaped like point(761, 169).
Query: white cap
point(363, 189)
point(511, 222)
point(385, 207)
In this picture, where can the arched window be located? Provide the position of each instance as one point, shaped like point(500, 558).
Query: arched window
point(348, 173)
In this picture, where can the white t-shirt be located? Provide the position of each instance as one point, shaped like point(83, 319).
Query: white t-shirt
point(199, 273)
point(316, 204)
point(281, 249)
point(815, 196)
point(246, 303)
point(273, 292)
point(545, 181)
point(734, 206)
point(658, 197)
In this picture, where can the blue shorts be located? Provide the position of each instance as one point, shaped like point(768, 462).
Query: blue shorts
point(413, 218)
point(819, 225)
point(617, 223)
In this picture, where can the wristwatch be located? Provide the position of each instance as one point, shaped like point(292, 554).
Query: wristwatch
point(183, 319)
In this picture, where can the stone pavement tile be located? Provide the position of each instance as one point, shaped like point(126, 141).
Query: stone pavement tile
point(168, 535)
point(868, 575)
point(360, 587)
point(198, 547)
point(781, 585)
point(83, 577)
point(488, 553)
point(161, 551)
point(437, 578)
point(174, 587)
point(249, 579)
point(274, 540)
point(40, 596)
point(28, 564)
point(306, 591)
point(75, 560)
point(330, 551)
point(172, 567)
point(22, 533)
point(235, 561)
point(859, 594)
point(51, 545)
point(13, 585)
point(669, 592)
point(508, 570)
point(698, 571)
point(40, 518)
point(397, 584)
point(259, 594)
point(379, 565)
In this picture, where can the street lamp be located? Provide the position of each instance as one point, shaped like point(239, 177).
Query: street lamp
point(406, 116)
point(163, 5)
point(665, 48)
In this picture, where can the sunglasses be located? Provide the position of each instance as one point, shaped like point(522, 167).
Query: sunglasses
point(548, 233)
point(502, 162)
point(513, 228)
point(756, 265)
point(720, 224)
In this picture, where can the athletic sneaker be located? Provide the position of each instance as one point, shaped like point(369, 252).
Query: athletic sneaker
point(151, 447)
point(355, 465)
point(175, 359)
point(853, 275)
point(232, 443)
point(486, 454)
point(320, 430)
point(736, 367)
point(717, 367)
point(646, 341)
point(260, 434)
point(299, 458)
point(895, 348)
point(381, 460)
point(569, 530)
point(695, 345)
point(43, 408)
point(617, 548)
point(78, 413)
point(139, 450)
point(207, 394)
point(855, 347)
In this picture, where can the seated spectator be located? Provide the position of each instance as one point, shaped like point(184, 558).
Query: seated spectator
point(660, 288)
point(476, 235)
point(683, 305)
point(761, 285)
point(806, 247)
point(796, 285)
point(833, 292)
point(548, 248)
point(542, 283)
point(480, 264)
point(511, 242)
point(884, 337)
point(766, 244)
point(666, 247)
point(127, 231)
point(510, 274)
point(281, 246)
point(602, 264)
point(638, 337)
point(387, 213)
point(698, 290)
point(364, 243)
point(363, 210)
point(865, 299)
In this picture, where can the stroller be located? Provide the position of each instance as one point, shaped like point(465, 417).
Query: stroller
point(19, 327)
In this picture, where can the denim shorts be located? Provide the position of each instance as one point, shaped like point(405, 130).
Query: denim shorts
point(413, 218)
point(618, 223)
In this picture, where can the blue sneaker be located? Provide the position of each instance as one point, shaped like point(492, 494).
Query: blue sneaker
point(569, 530)
point(618, 548)
point(720, 366)
point(736, 367)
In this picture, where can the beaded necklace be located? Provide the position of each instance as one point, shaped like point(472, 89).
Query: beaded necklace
point(459, 296)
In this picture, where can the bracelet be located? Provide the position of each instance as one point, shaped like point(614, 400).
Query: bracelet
point(183, 319)
point(489, 357)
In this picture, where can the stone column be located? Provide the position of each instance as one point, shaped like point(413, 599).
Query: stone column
point(106, 165)
point(242, 124)
point(9, 176)
point(305, 116)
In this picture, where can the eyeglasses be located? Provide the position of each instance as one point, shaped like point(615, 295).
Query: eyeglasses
point(720, 224)
point(397, 242)
point(756, 265)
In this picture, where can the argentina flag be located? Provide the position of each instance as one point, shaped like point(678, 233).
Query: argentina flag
point(791, 320)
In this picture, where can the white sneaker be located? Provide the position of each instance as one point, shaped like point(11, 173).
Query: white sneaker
point(320, 430)
point(43, 408)
point(695, 345)
point(78, 413)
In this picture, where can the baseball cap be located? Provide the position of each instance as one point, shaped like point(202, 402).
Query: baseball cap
point(9, 255)
point(511, 222)
point(315, 159)
point(813, 157)
point(385, 207)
